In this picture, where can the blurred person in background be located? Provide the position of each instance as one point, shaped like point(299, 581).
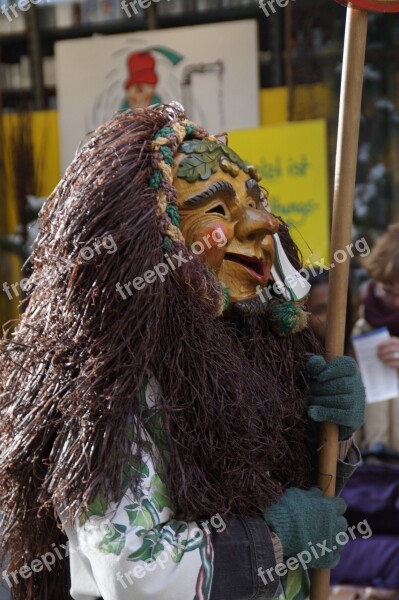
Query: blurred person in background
point(380, 308)
point(317, 307)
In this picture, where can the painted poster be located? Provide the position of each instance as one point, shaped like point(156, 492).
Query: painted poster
point(211, 69)
point(292, 159)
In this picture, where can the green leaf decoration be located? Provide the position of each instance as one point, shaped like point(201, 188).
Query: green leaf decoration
point(199, 166)
point(198, 147)
point(139, 516)
point(135, 470)
point(204, 158)
point(150, 549)
point(159, 537)
point(178, 552)
point(159, 495)
point(143, 533)
point(182, 546)
point(233, 156)
point(139, 467)
point(114, 541)
point(177, 526)
point(97, 508)
point(143, 553)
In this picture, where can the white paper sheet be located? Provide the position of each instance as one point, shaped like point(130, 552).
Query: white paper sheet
point(381, 382)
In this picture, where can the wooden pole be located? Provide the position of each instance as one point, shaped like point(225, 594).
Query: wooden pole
point(344, 191)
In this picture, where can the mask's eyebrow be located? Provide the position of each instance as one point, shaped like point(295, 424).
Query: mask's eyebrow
point(215, 188)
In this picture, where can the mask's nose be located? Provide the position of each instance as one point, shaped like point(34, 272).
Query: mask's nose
point(255, 224)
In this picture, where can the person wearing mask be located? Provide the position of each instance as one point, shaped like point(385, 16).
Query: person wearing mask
point(154, 410)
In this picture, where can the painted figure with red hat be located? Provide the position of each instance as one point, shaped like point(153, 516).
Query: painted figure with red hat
point(142, 81)
point(143, 78)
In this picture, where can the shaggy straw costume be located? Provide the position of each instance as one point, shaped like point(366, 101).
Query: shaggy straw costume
point(232, 389)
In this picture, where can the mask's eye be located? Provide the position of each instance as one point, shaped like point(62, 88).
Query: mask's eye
point(219, 210)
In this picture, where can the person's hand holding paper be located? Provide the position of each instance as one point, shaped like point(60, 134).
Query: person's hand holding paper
point(375, 352)
point(388, 352)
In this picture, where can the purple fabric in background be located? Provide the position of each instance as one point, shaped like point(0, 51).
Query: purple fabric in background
point(373, 562)
point(372, 493)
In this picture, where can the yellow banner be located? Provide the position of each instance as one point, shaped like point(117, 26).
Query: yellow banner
point(45, 146)
point(292, 159)
point(45, 149)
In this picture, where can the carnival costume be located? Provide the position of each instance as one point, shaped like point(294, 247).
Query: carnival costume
point(158, 405)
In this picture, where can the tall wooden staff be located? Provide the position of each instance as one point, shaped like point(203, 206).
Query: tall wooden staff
point(344, 190)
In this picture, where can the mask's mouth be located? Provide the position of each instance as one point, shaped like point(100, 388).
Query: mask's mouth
point(257, 267)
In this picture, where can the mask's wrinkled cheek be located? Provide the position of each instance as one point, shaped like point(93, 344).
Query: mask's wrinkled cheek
point(213, 239)
point(207, 238)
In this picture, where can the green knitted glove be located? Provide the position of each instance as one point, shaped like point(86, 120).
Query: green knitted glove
point(336, 393)
point(307, 523)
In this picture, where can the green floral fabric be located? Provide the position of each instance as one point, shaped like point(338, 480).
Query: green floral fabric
point(136, 548)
